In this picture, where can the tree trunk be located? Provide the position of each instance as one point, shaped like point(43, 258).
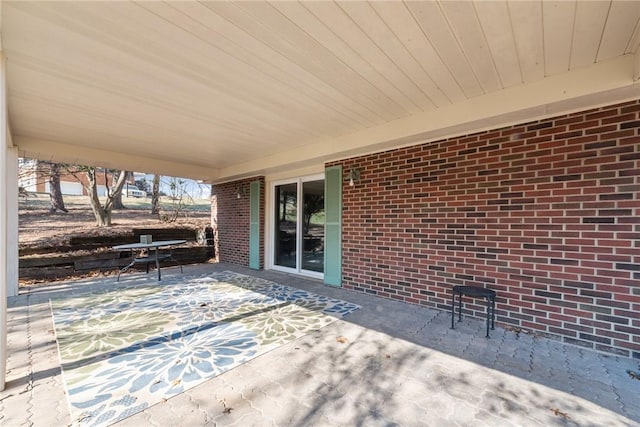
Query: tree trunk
point(285, 199)
point(117, 202)
point(117, 196)
point(55, 193)
point(103, 217)
point(155, 195)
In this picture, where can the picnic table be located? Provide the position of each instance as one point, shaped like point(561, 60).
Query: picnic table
point(148, 253)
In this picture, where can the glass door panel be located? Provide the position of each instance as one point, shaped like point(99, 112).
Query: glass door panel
point(313, 226)
point(286, 216)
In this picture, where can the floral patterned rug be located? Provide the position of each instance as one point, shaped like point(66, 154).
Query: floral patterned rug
point(130, 346)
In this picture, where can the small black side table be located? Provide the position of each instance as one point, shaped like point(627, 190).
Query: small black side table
point(474, 292)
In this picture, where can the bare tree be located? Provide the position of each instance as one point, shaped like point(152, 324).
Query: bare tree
point(313, 203)
point(102, 212)
point(155, 195)
point(179, 199)
point(55, 192)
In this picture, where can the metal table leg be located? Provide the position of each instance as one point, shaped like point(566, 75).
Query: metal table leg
point(453, 304)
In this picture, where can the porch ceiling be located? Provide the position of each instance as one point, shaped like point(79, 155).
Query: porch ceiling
point(217, 90)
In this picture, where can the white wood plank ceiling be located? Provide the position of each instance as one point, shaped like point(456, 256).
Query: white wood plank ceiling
point(211, 86)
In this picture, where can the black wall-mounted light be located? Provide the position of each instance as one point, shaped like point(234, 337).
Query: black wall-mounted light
point(241, 192)
point(354, 175)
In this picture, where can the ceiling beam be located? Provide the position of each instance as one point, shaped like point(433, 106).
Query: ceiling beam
point(590, 87)
point(92, 156)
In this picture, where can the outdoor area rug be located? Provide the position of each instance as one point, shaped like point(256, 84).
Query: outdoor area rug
point(130, 346)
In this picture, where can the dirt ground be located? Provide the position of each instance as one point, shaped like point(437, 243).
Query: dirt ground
point(39, 228)
point(42, 231)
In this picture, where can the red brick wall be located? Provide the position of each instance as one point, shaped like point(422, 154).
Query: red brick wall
point(547, 213)
point(230, 221)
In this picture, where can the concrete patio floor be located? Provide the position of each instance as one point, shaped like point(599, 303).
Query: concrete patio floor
point(388, 363)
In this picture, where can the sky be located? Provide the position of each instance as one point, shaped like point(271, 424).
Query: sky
point(193, 188)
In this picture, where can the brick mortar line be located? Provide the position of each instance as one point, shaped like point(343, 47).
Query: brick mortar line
point(30, 385)
point(567, 367)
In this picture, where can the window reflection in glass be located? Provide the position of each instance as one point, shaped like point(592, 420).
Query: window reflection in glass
point(313, 226)
point(286, 224)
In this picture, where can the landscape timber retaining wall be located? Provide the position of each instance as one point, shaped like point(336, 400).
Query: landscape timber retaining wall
point(94, 253)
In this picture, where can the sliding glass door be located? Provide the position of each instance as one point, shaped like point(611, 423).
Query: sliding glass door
point(299, 226)
point(286, 234)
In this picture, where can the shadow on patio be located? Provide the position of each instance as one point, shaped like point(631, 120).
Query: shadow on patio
point(387, 363)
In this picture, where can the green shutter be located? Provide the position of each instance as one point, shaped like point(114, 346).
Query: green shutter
point(333, 226)
point(254, 226)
